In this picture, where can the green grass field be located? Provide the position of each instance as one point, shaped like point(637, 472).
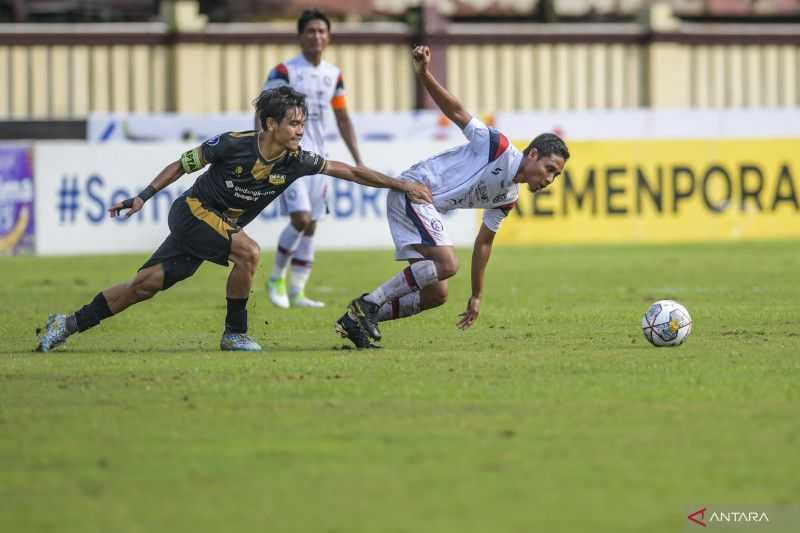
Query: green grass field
point(552, 414)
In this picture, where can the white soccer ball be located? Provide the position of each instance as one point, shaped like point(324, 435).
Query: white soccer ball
point(666, 323)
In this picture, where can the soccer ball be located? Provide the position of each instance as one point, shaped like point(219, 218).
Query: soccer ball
point(666, 323)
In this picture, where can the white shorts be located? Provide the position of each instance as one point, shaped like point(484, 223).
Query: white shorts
point(309, 193)
point(412, 224)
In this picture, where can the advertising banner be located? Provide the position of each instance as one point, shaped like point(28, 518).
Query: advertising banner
point(77, 182)
point(431, 125)
point(370, 127)
point(16, 200)
point(665, 191)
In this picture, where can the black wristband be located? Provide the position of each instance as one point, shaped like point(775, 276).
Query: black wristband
point(147, 193)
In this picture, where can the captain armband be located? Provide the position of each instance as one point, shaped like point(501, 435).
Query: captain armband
point(192, 160)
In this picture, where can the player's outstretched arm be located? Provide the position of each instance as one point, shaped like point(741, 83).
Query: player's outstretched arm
point(480, 258)
point(449, 104)
point(171, 173)
point(416, 192)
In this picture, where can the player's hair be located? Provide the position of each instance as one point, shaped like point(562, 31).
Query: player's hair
point(275, 103)
point(311, 14)
point(548, 144)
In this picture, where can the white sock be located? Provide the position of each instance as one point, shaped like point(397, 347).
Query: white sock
point(301, 265)
point(413, 278)
point(408, 305)
point(287, 244)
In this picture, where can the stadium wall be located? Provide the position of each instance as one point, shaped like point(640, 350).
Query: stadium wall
point(69, 71)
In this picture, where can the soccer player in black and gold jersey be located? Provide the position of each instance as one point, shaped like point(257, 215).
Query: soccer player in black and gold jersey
point(248, 171)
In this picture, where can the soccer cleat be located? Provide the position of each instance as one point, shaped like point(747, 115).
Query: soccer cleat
point(349, 328)
point(55, 333)
point(301, 300)
point(277, 292)
point(367, 315)
point(238, 342)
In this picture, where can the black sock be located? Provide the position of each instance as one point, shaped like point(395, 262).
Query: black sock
point(72, 324)
point(91, 314)
point(236, 319)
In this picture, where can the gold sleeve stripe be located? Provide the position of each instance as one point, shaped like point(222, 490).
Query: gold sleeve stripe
point(192, 160)
point(324, 167)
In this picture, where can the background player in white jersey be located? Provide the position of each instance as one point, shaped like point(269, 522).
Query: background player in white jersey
point(485, 173)
point(306, 200)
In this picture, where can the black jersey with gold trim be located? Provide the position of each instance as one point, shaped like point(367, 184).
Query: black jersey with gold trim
point(240, 182)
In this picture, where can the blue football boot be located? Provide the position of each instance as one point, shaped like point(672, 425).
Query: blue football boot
point(238, 342)
point(54, 335)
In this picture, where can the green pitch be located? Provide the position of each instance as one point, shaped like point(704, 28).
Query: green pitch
point(553, 414)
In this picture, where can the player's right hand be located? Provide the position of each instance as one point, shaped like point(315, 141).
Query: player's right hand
point(133, 205)
point(418, 193)
point(421, 56)
point(470, 315)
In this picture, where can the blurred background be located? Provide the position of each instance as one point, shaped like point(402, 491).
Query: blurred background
point(160, 72)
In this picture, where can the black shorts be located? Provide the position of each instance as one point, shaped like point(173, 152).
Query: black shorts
point(197, 233)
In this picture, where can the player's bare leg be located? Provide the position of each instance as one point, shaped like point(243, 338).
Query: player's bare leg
point(111, 301)
point(245, 255)
point(288, 242)
point(143, 286)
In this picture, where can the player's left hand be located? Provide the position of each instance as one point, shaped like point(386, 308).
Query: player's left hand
point(468, 317)
point(133, 205)
point(421, 58)
point(418, 193)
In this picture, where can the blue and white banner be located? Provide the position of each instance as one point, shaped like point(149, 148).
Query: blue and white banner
point(370, 127)
point(77, 182)
point(431, 125)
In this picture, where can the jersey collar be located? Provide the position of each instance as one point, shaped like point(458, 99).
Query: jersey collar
point(264, 159)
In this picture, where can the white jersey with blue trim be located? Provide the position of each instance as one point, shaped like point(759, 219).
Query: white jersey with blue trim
point(473, 176)
point(323, 87)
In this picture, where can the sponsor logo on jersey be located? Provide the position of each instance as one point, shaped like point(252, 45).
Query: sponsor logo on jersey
point(499, 198)
point(277, 179)
point(481, 191)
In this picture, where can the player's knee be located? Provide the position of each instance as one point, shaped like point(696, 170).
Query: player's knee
point(301, 221)
point(252, 255)
point(446, 268)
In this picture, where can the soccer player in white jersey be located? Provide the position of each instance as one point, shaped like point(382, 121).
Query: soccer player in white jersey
point(483, 174)
point(306, 200)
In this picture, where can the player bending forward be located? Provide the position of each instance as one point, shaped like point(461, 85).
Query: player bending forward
point(485, 173)
point(248, 171)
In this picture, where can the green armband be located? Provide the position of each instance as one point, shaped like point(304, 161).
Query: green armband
point(192, 160)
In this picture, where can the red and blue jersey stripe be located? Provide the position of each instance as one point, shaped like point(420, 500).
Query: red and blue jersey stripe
point(279, 73)
point(498, 143)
